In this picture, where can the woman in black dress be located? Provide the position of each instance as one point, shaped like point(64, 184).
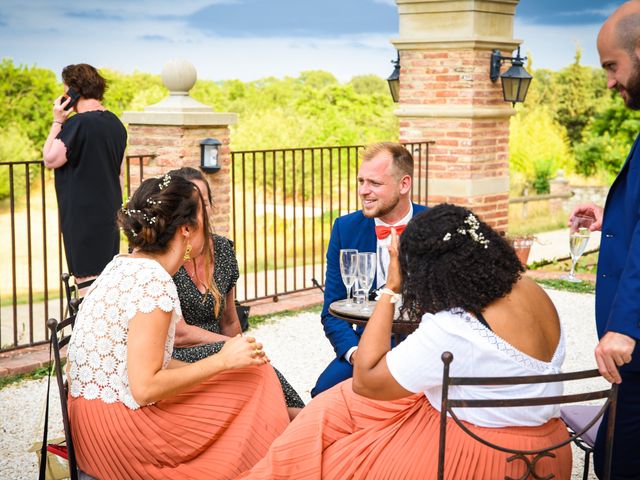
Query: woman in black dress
point(208, 307)
point(86, 151)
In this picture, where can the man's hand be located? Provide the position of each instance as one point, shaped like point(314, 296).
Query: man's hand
point(613, 351)
point(589, 210)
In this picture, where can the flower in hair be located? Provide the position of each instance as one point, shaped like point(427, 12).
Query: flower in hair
point(471, 229)
point(164, 182)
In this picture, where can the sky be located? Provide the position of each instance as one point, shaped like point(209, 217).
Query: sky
point(252, 39)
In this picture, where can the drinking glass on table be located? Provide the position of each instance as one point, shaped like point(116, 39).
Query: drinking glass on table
point(367, 266)
point(578, 239)
point(383, 259)
point(348, 270)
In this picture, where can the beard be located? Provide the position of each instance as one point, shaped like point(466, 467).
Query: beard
point(382, 208)
point(633, 86)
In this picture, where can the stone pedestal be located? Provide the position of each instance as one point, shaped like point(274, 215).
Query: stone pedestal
point(172, 131)
point(446, 95)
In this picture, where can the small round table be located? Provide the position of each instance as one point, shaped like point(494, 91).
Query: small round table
point(357, 315)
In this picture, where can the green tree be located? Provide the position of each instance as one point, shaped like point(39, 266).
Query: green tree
point(576, 97)
point(26, 96)
point(15, 146)
point(538, 146)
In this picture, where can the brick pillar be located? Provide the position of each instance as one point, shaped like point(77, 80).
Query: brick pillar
point(172, 130)
point(446, 95)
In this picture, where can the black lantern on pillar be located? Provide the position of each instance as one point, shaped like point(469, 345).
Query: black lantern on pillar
point(394, 80)
point(515, 81)
point(210, 155)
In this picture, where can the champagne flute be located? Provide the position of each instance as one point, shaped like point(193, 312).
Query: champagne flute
point(383, 259)
point(348, 270)
point(367, 266)
point(578, 239)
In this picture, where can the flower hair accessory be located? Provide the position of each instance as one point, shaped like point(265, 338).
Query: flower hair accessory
point(472, 227)
point(150, 220)
point(164, 182)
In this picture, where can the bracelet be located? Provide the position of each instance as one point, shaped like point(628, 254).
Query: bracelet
point(56, 121)
point(394, 296)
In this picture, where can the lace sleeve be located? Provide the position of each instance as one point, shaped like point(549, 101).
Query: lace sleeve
point(146, 289)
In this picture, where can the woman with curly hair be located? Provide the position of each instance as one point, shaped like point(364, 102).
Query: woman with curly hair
point(462, 282)
point(137, 413)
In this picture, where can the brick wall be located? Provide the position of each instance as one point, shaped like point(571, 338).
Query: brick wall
point(179, 146)
point(469, 147)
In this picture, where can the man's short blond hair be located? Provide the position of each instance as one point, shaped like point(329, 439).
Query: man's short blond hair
point(402, 159)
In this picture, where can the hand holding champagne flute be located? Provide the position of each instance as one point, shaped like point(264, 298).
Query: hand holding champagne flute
point(578, 240)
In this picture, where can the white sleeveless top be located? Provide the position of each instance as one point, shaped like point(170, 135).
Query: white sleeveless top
point(97, 353)
point(477, 352)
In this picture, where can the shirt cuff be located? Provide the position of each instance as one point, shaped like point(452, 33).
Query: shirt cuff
point(347, 356)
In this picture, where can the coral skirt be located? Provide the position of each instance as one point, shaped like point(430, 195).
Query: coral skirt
point(341, 435)
point(214, 431)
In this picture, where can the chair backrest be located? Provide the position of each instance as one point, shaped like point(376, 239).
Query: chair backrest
point(448, 404)
point(59, 340)
point(71, 293)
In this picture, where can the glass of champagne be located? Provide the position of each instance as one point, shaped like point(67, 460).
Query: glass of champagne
point(348, 270)
point(578, 240)
point(367, 266)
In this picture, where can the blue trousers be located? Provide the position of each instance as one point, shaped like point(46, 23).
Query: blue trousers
point(337, 371)
point(626, 440)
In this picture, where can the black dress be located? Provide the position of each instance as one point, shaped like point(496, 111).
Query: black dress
point(88, 190)
point(198, 309)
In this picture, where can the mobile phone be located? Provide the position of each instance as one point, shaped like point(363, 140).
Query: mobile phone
point(73, 95)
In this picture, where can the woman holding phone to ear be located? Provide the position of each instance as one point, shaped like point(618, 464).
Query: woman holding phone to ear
point(86, 152)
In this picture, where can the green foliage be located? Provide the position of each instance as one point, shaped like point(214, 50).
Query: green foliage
point(131, 92)
point(15, 146)
point(310, 110)
point(576, 97)
point(608, 138)
point(538, 146)
point(26, 96)
point(583, 287)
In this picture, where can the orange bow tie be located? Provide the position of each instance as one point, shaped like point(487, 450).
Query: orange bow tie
point(383, 232)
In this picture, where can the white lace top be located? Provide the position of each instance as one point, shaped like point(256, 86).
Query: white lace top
point(477, 352)
point(97, 353)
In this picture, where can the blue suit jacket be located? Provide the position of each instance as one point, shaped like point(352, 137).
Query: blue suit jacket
point(349, 231)
point(618, 281)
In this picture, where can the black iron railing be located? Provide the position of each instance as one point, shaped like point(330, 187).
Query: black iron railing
point(31, 253)
point(283, 205)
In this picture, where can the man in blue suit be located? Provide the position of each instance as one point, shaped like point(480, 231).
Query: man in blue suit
point(384, 180)
point(618, 280)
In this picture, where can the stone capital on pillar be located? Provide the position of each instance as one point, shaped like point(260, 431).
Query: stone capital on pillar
point(172, 129)
point(446, 96)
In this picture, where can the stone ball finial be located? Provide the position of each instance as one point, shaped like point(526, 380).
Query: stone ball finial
point(179, 75)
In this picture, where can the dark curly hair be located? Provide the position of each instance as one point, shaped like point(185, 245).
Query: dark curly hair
point(85, 79)
point(157, 209)
point(444, 268)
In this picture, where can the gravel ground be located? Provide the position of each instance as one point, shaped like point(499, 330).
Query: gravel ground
point(297, 346)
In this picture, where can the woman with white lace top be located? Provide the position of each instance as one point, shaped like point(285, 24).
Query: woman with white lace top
point(463, 283)
point(137, 413)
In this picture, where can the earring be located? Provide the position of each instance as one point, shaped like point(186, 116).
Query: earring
point(187, 253)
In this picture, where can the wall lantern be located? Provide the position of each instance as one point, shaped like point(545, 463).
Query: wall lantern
point(515, 81)
point(394, 80)
point(210, 155)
